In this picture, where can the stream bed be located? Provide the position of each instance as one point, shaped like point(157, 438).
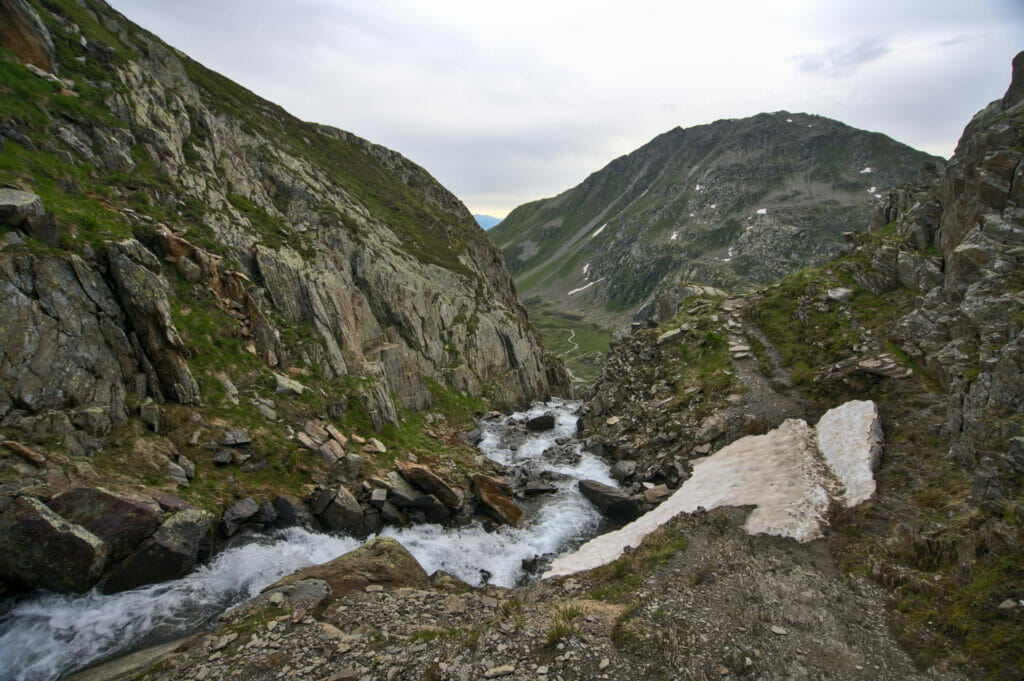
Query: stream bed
point(47, 636)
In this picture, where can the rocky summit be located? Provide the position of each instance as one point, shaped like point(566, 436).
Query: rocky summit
point(733, 204)
point(255, 374)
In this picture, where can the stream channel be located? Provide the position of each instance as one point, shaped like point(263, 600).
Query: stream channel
point(46, 636)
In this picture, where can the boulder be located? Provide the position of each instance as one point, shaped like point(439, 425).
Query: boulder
point(292, 511)
point(624, 470)
point(340, 511)
point(545, 421)
point(236, 437)
point(16, 207)
point(710, 428)
point(380, 561)
point(495, 496)
point(613, 502)
point(426, 479)
point(283, 384)
point(241, 511)
point(432, 509)
point(40, 549)
point(119, 521)
point(170, 553)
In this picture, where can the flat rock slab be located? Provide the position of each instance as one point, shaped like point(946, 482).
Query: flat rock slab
point(783, 474)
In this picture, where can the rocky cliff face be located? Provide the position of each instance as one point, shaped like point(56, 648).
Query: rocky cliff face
point(924, 314)
point(383, 267)
point(187, 267)
point(732, 204)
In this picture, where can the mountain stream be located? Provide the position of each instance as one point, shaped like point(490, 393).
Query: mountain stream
point(46, 636)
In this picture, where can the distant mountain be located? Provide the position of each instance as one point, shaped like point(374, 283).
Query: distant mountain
point(733, 204)
point(486, 221)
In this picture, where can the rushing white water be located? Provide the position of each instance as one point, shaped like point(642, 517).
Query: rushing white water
point(49, 635)
point(564, 520)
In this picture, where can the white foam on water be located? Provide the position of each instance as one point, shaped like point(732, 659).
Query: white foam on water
point(50, 635)
point(564, 521)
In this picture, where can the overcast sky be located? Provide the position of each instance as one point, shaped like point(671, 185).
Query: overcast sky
point(506, 102)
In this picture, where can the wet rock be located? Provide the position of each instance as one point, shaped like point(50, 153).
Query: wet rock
point(381, 561)
point(119, 521)
point(291, 511)
point(40, 549)
point(613, 502)
point(426, 479)
point(341, 512)
point(432, 509)
point(241, 511)
point(494, 494)
point(545, 421)
point(170, 553)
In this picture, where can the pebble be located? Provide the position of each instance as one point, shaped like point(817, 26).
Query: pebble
point(603, 664)
point(495, 672)
point(781, 631)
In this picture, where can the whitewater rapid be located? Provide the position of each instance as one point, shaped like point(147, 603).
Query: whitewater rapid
point(47, 636)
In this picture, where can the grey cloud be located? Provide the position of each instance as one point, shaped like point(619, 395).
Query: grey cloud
point(843, 60)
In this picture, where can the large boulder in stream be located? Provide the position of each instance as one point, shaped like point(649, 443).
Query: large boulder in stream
point(170, 553)
point(122, 522)
point(426, 479)
point(340, 511)
point(613, 502)
point(545, 421)
point(40, 549)
point(380, 561)
point(495, 496)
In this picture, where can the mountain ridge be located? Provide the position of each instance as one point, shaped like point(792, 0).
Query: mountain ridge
point(730, 204)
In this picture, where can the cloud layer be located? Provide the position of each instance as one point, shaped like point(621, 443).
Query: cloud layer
point(509, 102)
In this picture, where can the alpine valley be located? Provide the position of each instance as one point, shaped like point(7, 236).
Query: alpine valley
point(271, 407)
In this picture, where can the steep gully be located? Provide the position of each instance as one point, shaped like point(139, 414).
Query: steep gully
point(50, 635)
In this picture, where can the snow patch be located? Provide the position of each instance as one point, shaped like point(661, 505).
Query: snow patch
point(762, 211)
point(872, 190)
point(850, 438)
point(697, 188)
point(783, 473)
point(867, 169)
point(789, 120)
point(584, 288)
point(599, 230)
point(585, 269)
point(713, 206)
point(675, 235)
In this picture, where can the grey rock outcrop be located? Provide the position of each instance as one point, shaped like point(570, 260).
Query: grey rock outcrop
point(170, 553)
point(121, 522)
point(38, 548)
